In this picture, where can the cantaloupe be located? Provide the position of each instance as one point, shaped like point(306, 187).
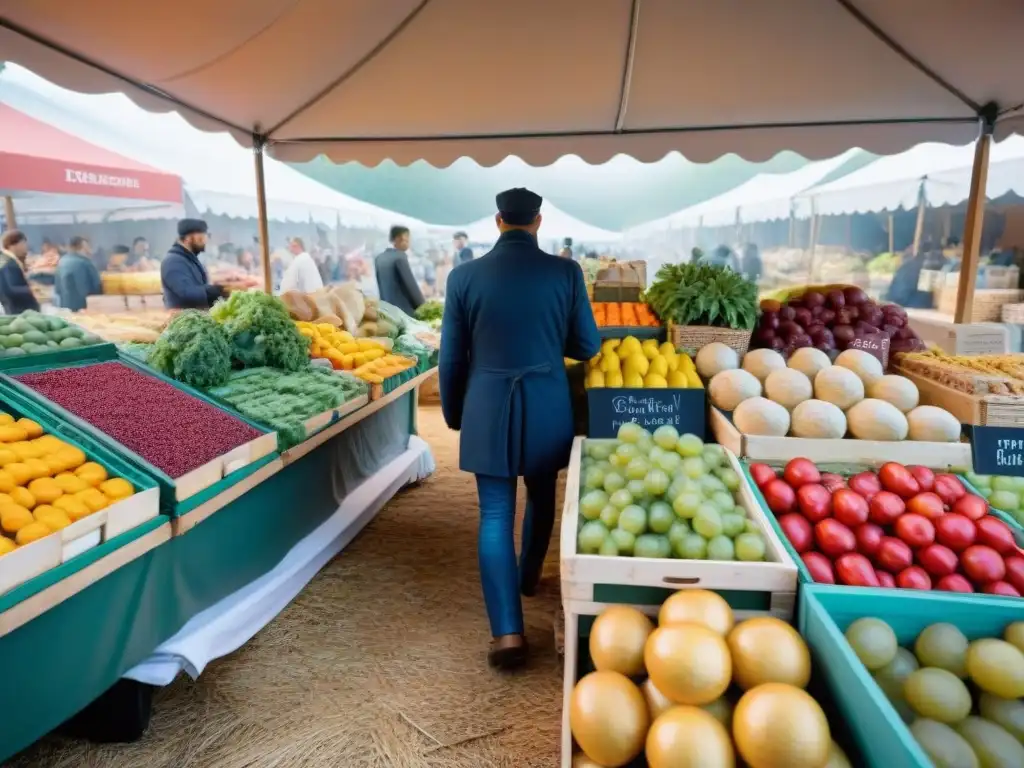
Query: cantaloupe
point(818, 419)
point(761, 416)
point(788, 387)
point(809, 361)
point(932, 424)
point(728, 389)
point(873, 419)
point(864, 364)
point(839, 386)
point(714, 358)
point(762, 362)
point(898, 390)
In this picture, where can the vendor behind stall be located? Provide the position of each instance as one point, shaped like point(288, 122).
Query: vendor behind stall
point(15, 293)
point(184, 279)
point(77, 277)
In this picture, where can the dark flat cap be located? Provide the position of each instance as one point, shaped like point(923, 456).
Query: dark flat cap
point(518, 206)
point(189, 226)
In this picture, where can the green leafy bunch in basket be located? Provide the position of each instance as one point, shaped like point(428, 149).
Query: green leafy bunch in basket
point(702, 294)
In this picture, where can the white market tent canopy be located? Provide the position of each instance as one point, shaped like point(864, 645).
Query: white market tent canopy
point(554, 224)
point(894, 182)
point(217, 173)
point(367, 81)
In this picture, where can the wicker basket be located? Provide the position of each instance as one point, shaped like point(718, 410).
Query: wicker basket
point(697, 336)
point(988, 303)
point(1013, 314)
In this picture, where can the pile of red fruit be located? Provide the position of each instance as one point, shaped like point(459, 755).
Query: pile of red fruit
point(900, 527)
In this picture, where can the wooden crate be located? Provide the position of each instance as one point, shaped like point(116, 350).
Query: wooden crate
point(592, 582)
point(983, 410)
point(846, 450)
point(987, 306)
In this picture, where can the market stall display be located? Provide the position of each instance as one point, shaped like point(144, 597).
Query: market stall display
point(897, 526)
point(260, 331)
point(633, 364)
point(131, 283)
point(33, 333)
point(625, 314)
point(193, 349)
point(1003, 493)
point(122, 327)
point(431, 312)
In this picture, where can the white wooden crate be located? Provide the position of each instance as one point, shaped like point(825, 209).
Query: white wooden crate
point(580, 574)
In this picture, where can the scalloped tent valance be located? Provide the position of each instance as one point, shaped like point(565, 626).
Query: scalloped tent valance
point(441, 79)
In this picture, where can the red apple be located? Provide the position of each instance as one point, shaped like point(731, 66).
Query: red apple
point(949, 488)
point(994, 533)
point(938, 560)
point(855, 570)
point(1015, 571)
point(814, 502)
point(916, 530)
point(982, 564)
point(832, 481)
point(834, 538)
point(898, 479)
point(820, 567)
point(913, 577)
point(924, 476)
point(780, 497)
point(849, 507)
point(885, 508)
point(798, 531)
point(866, 484)
point(970, 506)
point(955, 531)
point(954, 583)
point(885, 579)
point(926, 504)
point(893, 555)
point(800, 472)
point(762, 474)
point(868, 536)
point(1000, 588)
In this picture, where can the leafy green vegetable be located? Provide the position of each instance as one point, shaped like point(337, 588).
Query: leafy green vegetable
point(702, 294)
point(137, 349)
point(430, 310)
point(194, 350)
point(261, 332)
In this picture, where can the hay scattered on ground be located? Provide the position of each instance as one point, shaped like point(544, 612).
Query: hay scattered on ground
point(379, 663)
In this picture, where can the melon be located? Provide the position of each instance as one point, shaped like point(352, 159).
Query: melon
point(839, 386)
point(932, 424)
point(788, 387)
point(762, 362)
point(714, 358)
point(809, 361)
point(864, 364)
point(873, 419)
point(728, 389)
point(898, 390)
point(818, 419)
point(761, 416)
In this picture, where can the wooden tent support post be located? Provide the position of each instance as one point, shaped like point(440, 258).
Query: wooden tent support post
point(792, 229)
point(919, 226)
point(972, 227)
point(892, 246)
point(261, 212)
point(12, 221)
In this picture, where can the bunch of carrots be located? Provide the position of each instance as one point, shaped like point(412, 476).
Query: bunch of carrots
point(610, 314)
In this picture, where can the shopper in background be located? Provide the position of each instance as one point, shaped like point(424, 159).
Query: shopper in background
point(751, 264)
point(185, 282)
point(463, 253)
point(302, 274)
point(503, 385)
point(15, 293)
point(395, 281)
point(77, 277)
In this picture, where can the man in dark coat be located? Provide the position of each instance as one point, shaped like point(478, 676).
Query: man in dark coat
point(510, 319)
point(463, 252)
point(184, 278)
point(77, 277)
point(395, 281)
point(15, 293)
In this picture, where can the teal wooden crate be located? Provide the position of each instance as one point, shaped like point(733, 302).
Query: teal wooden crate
point(58, 358)
point(825, 613)
point(1006, 517)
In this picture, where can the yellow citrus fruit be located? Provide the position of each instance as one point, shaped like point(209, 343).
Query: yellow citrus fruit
point(92, 473)
point(93, 498)
point(6, 545)
point(13, 518)
point(32, 532)
point(73, 506)
point(38, 467)
point(70, 483)
point(117, 488)
point(24, 497)
point(51, 517)
point(19, 471)
point(5, 419)
point(655, 381)
point(33, 428)
point(45, 489)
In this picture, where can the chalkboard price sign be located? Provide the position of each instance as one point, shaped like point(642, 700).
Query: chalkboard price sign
point(876, 344)
point(609, 409)
point(998, 450)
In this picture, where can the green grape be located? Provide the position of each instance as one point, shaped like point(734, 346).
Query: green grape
point(628, 451)
point(637, 468)
point(621, 498)
point(633, 519)
point(689, 445)
point(677, 533)
point(624, 541)
point(992, 744)
point(630, 432)
point(893, 675)
point(730, 479)
point(710, 484)
point(600, 449)
point(593, 478)
point(751, 527)
point(714, 455)
point(610, 516)
point(591, 537)
point(585, 463)
point(695, 467)
point(1000, 483)
point(750, 547)
point(618, 461)
point(608, 548)
point(592, 503)
point(721, 548)
point(873, 641)
point(733, 524)
point(656, 481)
point(666, 437)
point(651, 545)
point(944, 646)
point(685, 505)
point(693, 547)
point(938, 695)
point(654, 454)
point(945, 747)
point(637, 489)
point(669, 462)
point(723, 500)
point(613, 482)
point(660, 517)
point(708, 520)
point(645, 443)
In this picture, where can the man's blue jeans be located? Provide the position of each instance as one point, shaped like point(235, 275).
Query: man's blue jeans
point(500, 576)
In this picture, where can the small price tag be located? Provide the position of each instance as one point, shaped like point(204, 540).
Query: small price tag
point(876, 344)
point(998, 450)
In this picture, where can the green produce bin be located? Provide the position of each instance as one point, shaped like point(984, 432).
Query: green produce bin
point(168, 502)
point(1006, 517)
point(58, 358)
point(825, 613)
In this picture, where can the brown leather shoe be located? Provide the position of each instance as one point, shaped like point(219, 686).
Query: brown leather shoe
point(507, 652)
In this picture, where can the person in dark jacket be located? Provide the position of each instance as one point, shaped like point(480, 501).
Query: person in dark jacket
point(77, 277)
point(185, 282)
point(751, 265)
point(395, 281)
point(15, 293)
point(463, 252)
point(504, 386)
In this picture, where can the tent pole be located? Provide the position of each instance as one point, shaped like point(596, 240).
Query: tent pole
point(812, 241)
point(972, 226)
point(919, 226)
point(892, 235)
point(12, 221)
point(261, 210)
point(792, 229)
